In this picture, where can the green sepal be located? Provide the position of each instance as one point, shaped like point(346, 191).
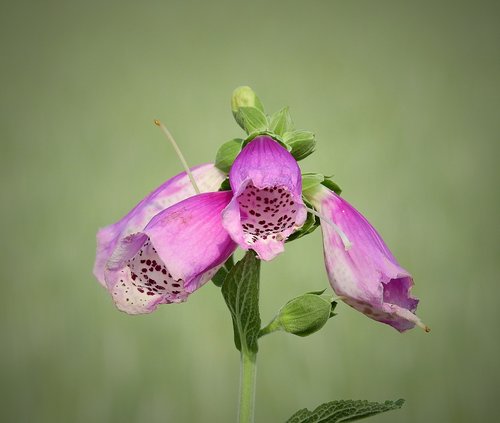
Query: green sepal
point(311, 180)
point(328, 182)
point(281, 122)
point(241, 293)
point(219, 278)
point(267, 133)
point(225, 185)
point(344, 411)
point(317, 292)
point(226, 154)
point(301, 143)
point(334, 306)
point(311, 223)
point(251, 119)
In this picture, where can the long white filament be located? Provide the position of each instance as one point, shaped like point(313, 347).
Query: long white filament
point(179, 154)
point(340, 233)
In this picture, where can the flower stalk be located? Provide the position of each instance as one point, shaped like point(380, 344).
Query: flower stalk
point(248, 373)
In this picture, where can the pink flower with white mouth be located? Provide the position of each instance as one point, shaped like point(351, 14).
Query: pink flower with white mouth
point(361, 268)
point(176, 189)
point(158, 253)
point(178, 251)
point(267, 206)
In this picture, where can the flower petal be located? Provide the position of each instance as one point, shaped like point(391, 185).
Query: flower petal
point(180, 249)
point(176, 189)
point(267, 206)
point(367, 275)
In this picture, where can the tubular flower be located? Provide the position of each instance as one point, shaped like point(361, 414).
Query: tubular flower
point(176, 189)
point(179, 250)
point(365, 274)
point(267, 204)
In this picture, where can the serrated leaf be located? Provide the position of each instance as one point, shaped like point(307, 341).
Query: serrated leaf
point(251, 119)
point(344, 411)
point(226, 154)
point(281, 122)
point(241, 293)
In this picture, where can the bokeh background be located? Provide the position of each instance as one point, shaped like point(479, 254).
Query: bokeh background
point(404, 99)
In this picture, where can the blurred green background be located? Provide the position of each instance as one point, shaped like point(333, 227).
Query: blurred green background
point(404, 99)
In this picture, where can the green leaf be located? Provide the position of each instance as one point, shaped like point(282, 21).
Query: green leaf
point(241, 293)
point(301, 143)
point(343, 411)
point(226, 154)
point(251, 119)
point(281, 122)
point(219, 278)
point(311, 180)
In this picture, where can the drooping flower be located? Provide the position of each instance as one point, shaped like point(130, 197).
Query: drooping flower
point(364, 274)
point(267, 205)
point(144, 292)
point(176, 189)
point(179, 250)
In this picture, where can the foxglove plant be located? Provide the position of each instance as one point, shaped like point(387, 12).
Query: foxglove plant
point(254, 197)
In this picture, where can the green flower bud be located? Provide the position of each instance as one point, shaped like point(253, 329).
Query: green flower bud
point(248, 110)
point(245, 97)
point(301, 143)
point(303, 315)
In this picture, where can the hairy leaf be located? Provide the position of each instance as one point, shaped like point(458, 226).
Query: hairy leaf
point(343, 411)
point(241, 293)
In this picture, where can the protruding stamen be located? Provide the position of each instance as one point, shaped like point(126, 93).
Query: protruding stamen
point(340, 233)
point(179, 154)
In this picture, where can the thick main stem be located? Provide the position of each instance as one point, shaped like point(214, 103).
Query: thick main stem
point(248, 370)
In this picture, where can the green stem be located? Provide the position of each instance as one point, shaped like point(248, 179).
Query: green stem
point(270, 328)
point(247, 386)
